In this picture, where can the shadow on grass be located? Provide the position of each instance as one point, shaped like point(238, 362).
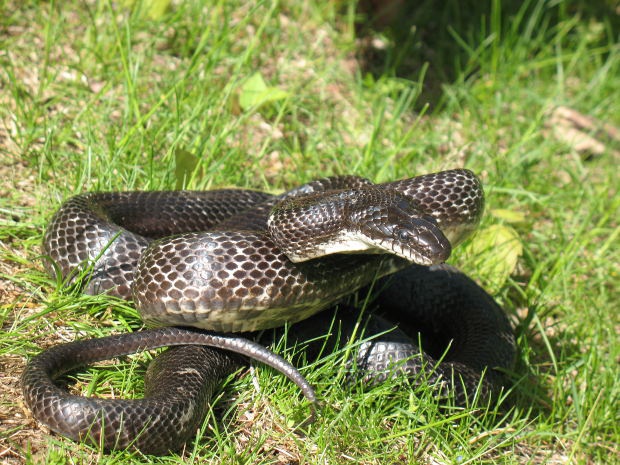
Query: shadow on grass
point(423, 37)
point(541, 362)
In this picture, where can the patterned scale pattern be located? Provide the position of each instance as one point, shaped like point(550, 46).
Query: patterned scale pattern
point(111, 230)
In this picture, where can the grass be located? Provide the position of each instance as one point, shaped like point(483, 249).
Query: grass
point(98, 96)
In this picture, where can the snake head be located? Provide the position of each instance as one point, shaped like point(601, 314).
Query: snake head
point(367, 220)
point(402, 229)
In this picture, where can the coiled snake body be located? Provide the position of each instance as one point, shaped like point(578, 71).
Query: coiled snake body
point(231, 261)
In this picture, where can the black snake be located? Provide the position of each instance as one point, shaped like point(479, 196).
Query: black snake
point(233, 260)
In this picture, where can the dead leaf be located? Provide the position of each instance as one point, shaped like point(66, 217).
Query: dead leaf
point(585, 134)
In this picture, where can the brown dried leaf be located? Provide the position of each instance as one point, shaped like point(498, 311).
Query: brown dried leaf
point(585, 134)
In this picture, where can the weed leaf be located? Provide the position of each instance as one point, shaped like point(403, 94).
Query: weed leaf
point(255, 93)
point(494, 252)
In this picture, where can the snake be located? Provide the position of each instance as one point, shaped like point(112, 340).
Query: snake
point(212, 272)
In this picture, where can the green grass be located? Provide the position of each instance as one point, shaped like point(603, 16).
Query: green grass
point(95, 96)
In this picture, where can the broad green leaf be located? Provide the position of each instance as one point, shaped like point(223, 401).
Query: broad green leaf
point(185, 165)
point(153, 9)
point(255, 93)
point(494, 252)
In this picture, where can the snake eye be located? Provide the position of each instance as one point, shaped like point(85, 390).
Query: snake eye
point(403, 235)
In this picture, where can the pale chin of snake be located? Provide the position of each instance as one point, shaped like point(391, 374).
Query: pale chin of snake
point(218, 260)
